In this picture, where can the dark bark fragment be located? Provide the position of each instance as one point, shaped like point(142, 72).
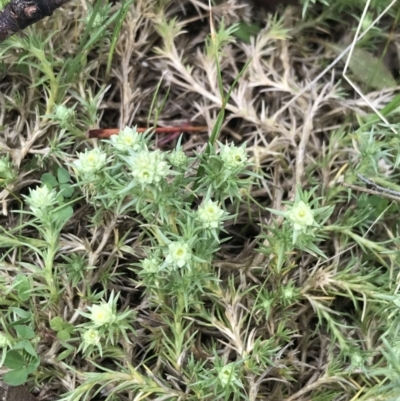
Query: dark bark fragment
point(18, 14)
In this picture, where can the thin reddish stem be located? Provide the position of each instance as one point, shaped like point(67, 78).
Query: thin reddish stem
point(107, 132)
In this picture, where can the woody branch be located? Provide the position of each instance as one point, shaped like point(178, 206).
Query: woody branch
point(19, 14)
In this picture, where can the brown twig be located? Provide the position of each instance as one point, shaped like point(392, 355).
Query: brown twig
point(19, 14)
point(107, 132)
point(372, 191)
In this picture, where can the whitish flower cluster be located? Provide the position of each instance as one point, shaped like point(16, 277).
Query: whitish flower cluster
point(91, 337)
point(301, 216)
point(41, 200)
point(178, 158)
point(210, 214)
point(102, 314)
point(98, 19)
point(233, 157)
point(127, 139)
point(148, 167)
point(90, 163)
point(151, 265)
point(64, 114)
point(227, 375)
point(179, 254)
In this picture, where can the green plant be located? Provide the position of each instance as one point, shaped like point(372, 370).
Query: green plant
point(18, 342)
point(228, 264)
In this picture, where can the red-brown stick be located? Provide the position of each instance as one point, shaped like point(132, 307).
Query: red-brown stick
point(107, 132)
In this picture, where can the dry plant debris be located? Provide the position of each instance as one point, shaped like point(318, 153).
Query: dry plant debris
point(274, 320)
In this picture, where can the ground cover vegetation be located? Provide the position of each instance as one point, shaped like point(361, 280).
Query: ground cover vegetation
point(230, 264)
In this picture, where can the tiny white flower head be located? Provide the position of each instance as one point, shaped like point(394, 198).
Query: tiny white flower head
point(102, 314)
point(179, 254)
point(288, 293)
point(98, 19)
point(91, 337)
point(4, 341)
point(127, 139)
point(90, 162)
point(141, 167)
point(233, 157)
point(40, 200)
point(41, 197)
point(367, 21)
point(64, 114)
point(151, 266)
point(161, 167)
point(210, 214)
point(227, 375)
point(178, 158)
point(267, 304)
point(301, 216)
point(149, 167)
point(357, 360)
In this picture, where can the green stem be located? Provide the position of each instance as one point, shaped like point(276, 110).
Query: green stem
point(47, 68)
point(360, 240)
point(49, 256)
